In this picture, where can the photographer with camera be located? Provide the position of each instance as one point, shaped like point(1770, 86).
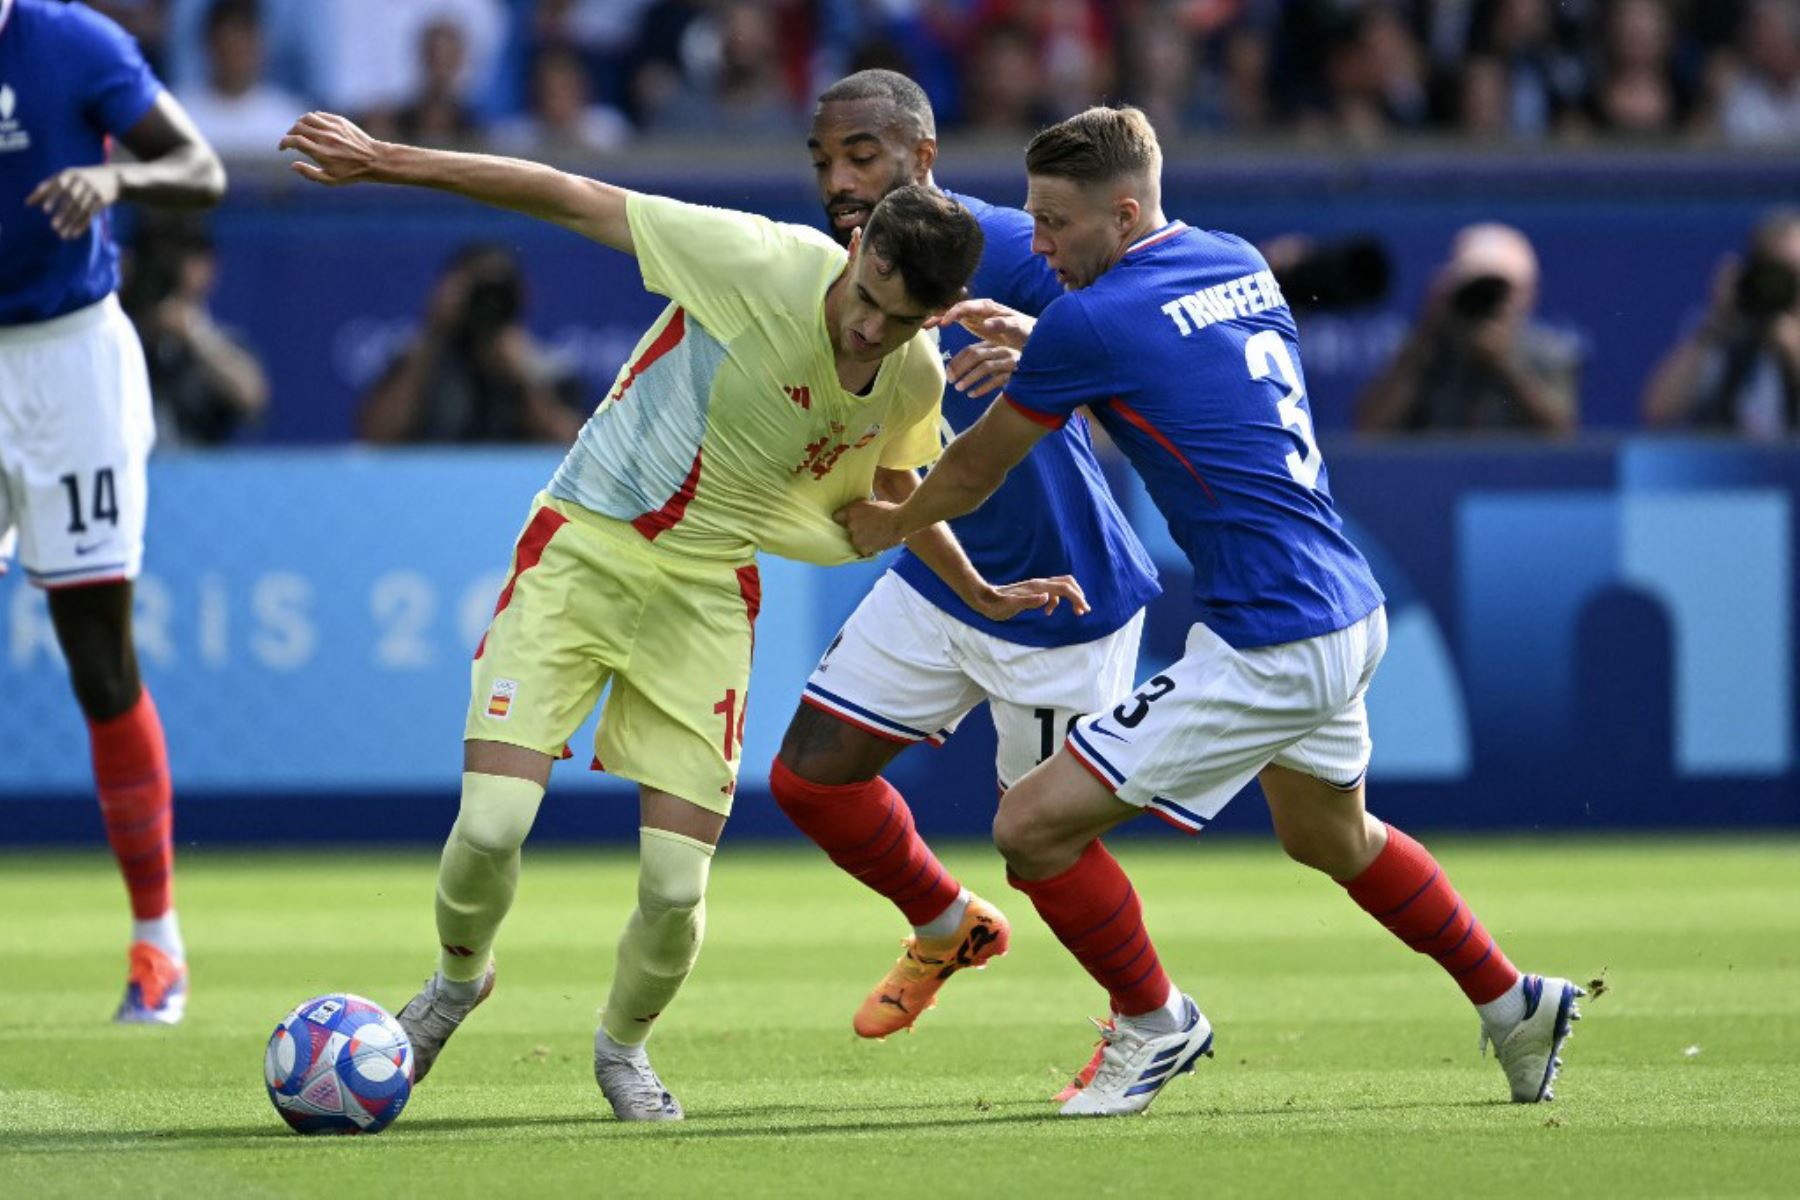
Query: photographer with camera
point(474, 374)
point(1475, 360)
point(1738, 370)
point(205, 383)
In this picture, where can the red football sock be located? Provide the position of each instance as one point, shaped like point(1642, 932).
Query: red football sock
point(867, 830)
point(131, 772)
point(1094, 911)
point(1406, 890)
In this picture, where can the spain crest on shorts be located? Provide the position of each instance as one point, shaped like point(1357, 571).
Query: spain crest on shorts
point(500, 699)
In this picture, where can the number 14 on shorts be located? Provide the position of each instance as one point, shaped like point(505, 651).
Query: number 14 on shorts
point(733, 712)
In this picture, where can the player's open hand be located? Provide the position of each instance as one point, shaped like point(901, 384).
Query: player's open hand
point(982, 368)
point(871, 525)
point(1008, 600)
point(73, 198)
point(342, 151)
point(988, 320)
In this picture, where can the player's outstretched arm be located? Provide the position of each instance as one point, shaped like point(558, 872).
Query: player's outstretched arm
point(972, 467)
point(342, 153)
point(937, 547)
point(175, 168)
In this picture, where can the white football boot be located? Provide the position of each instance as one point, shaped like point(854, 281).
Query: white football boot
point(630, 1083)
point(1132, 1069)
point(430, 1017)
point(1530, 1052)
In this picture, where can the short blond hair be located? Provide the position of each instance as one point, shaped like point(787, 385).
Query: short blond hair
point(1099, 145)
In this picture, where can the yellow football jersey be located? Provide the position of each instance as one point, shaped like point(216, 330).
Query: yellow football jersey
point(727, 432)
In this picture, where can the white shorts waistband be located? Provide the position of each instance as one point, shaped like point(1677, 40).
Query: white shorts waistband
point(79, 321)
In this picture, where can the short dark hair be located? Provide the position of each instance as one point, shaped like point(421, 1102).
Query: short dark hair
point(890, 87)
point(225, 13)
point(933, 242)
point(1096, 146)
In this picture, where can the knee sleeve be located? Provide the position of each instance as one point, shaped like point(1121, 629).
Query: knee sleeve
point(672, 871)
point(497, 812)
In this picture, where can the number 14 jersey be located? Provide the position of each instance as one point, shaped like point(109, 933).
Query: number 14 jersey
point(1186, 352)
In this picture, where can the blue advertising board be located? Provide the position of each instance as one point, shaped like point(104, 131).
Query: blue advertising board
point(1597, 636)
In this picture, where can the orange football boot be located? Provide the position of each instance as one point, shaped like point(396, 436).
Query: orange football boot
point(155, 988)
point(911, 985)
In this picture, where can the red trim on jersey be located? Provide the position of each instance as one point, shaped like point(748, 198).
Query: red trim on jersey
point(667, 340)
point(1030, 414)
point(669, 515)
point(544, 524)
point(1164, 234)
point(1156, 435)
point(750, 588)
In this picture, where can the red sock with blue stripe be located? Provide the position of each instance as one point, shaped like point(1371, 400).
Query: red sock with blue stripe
point(131, 774)
point(868, 830)
point(1407, 891)
point(1094, 911)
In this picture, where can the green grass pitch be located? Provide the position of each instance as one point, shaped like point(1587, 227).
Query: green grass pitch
point(1346, 1066)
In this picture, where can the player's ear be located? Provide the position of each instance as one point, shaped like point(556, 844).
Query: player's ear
point(924, 157)
point(1126, 211)
point(855, 242)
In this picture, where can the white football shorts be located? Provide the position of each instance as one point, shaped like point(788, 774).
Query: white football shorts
point(75, 430)
point(1193, 735)
point(905, 670)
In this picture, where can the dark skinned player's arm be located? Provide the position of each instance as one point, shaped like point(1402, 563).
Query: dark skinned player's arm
point(175, 168)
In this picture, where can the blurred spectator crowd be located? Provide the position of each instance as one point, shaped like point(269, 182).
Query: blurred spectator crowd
point(568, 78)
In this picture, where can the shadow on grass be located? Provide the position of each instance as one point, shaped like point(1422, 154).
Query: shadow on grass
point(713, 1124)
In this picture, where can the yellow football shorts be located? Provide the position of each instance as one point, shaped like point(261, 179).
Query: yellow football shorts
point(589, 602)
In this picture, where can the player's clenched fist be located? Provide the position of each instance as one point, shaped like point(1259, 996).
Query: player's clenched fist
point(73, 198)
point(342, 151)
point(871, 525)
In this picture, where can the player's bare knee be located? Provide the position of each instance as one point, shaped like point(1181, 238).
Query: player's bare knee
point(1026, 844)
point(104, 691)
point(1337, 848)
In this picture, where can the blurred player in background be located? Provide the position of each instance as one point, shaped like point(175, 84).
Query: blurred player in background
point(75, 415)
point(784, 380)
point(1182, 344)
point(915, 657)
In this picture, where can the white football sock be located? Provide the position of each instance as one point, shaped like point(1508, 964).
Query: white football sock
point(946, 922)
point(606, 1047)
point(163, 932)
point(1505, 1011)
point(463, 991)
point(1159, 1022)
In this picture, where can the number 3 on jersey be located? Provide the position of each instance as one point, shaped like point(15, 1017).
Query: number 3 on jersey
point(1266, 352)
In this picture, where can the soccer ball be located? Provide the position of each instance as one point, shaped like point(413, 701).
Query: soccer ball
point(338, 1064)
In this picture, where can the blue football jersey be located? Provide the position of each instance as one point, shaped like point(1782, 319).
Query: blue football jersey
point(1187, 353)
point(1054, 515)
point(69, 78)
